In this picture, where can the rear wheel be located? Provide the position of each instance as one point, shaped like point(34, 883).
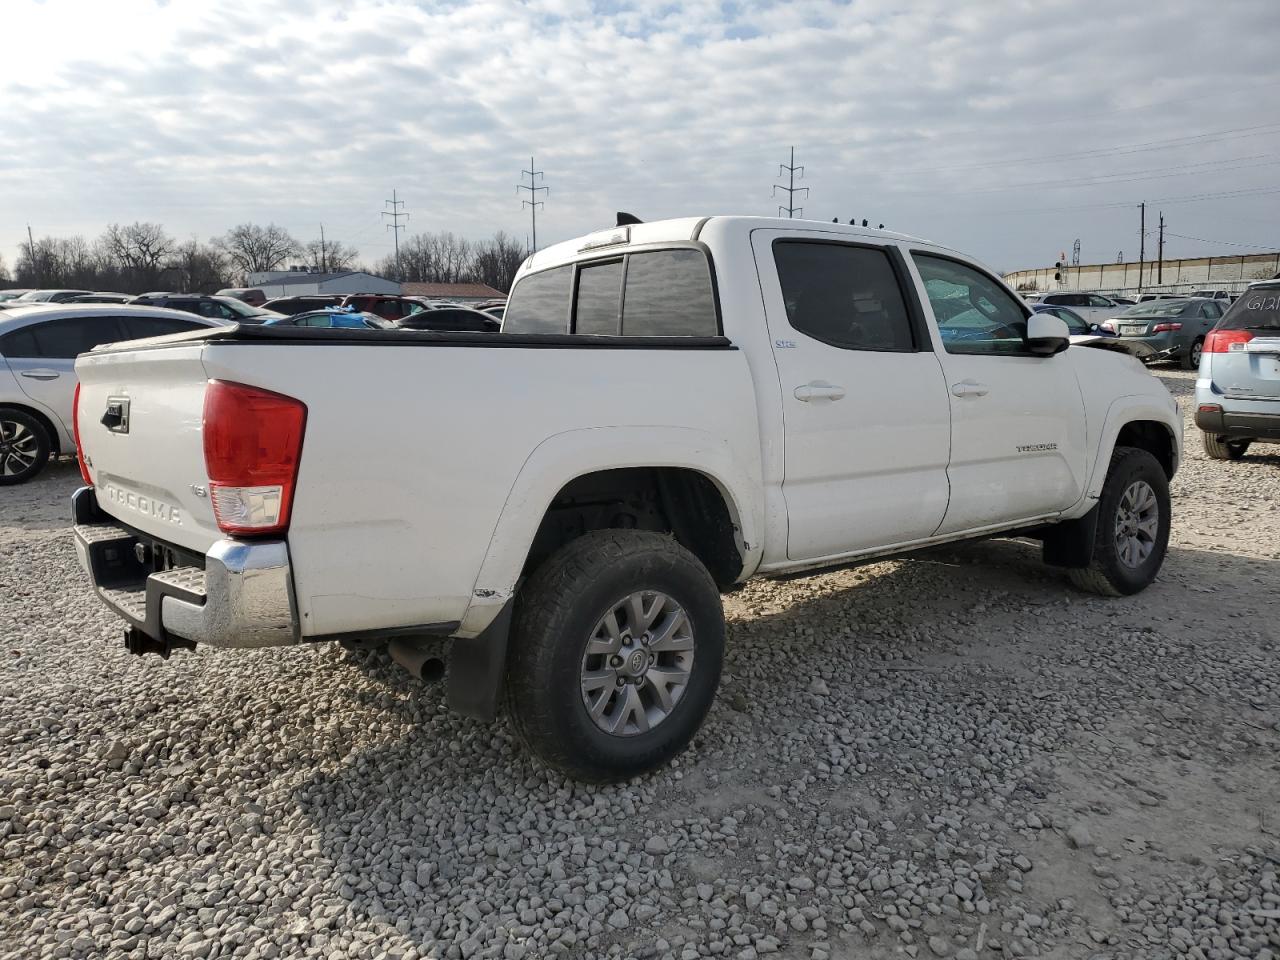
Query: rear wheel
point(24, 446)
point(1191, 359)
point(617, 646)
point(1220, 448)
point(1133, 527)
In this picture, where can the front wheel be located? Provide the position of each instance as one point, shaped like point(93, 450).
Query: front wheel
point(616, 653)
point(1191, 359)
point(1219, 448)
point(1133, 527)
point(24, 447)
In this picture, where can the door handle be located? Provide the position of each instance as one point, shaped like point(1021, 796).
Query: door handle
point(969, 388)
point(41, 374)
point(819, 390)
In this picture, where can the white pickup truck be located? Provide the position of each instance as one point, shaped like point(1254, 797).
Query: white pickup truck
point(550, 513)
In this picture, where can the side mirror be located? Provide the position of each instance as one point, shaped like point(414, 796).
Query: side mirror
point(1047, 335)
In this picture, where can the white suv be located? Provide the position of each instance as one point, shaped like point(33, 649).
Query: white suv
point(38, 349)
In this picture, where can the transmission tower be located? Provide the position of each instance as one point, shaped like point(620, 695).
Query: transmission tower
point(395, 226)
point(533, 203)
point(1075, 253)
point(791, 189)
point(1120, 257)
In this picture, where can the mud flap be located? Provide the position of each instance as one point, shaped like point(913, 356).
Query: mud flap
point(1070, 543)
point(476, 668)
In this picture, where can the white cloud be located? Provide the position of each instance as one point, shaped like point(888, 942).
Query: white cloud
point(202, 115)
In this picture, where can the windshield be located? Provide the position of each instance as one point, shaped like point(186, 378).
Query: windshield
point(1257, 309)
point(1156, 308)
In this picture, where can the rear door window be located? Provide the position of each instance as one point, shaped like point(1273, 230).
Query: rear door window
point(63, 339)
point(843, 295)
point(668, 294)
point(540, 303)
point(136, 328)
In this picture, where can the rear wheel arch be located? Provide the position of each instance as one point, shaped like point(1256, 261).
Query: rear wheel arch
point(690, 505)
point(55, 437)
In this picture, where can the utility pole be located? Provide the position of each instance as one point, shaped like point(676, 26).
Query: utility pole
point(533, 203)
point(395, 226)
point(791, 189)
point(31, 255)
point(1160, 252)
point(322, 262)
point(1142, 242)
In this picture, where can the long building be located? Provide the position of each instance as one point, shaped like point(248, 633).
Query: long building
point(1232, 272)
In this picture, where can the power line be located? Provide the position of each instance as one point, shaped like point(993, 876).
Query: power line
point(395, 226)
point(1237, 133)
point(1224, 243)
point(533, 203)
point(791, 189)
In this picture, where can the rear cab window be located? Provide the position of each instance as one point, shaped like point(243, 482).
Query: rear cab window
point(649, 293)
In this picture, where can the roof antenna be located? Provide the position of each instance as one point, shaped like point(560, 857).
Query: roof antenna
point(627, 219)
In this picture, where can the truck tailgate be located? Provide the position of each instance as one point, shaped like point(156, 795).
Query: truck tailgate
point(139, 416)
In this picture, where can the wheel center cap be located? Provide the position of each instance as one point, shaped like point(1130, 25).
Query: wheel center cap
point(636, 663)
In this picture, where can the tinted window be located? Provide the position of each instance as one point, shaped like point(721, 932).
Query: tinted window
point(1075, 323)
point(1210, 310)
point(974, 313)
point(1096, 301)
point(843, 295)
point(138, 327)
point(599, 298)
point(61, 339)
point(540, 303)
point(668, 294)
point(1257, 309)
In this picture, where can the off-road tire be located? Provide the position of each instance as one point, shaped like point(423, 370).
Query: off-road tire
point(1220, 448)
point(12, 418)
point(558, 609)
point(1191, 359)
point(1106, 574)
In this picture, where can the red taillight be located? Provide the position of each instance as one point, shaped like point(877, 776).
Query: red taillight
point(252, 445)
point(1166, 327)
point(75, 432)
point(1223, 341)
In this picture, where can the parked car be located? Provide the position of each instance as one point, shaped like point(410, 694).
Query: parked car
point(38, 347)
point(219, 308)
point(387, 306)
point(637, 439)
point(495, 312)
point(451, 318)
point(340, 318)
point(13, 294)
point(50, 296)
point(291, 305)
point(100, 298)
point(1148, 297)
point(1077, 324)
point(1226, 295)
point(1091, 306)
point(1238, 389)
point(1168, 329)
point(250, 295)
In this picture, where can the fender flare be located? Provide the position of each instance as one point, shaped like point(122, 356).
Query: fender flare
point(563, 457)
point(1126, 410)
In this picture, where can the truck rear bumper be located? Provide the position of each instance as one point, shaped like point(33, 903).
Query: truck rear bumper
point(243, 596)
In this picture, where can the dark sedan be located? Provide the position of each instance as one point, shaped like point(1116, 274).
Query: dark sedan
point(461, 319)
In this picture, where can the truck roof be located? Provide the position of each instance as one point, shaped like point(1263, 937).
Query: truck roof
point(683, 230)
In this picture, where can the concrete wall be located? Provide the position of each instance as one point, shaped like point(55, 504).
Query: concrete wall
point(1230, 272)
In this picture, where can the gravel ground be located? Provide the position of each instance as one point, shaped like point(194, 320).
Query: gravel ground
point(955, 755)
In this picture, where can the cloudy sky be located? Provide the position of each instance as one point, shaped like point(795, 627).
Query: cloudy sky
point(1008, 129)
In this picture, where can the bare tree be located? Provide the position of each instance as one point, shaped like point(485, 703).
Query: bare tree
point(255, 249)
point(195, 267)
point(139, 249)
point(496, 261)
point(334, 257)
point(4, 271)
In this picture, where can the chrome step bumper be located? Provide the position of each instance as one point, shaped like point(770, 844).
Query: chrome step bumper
point(242, 598)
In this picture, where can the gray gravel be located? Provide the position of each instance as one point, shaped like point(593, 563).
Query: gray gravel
point(952, 756)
